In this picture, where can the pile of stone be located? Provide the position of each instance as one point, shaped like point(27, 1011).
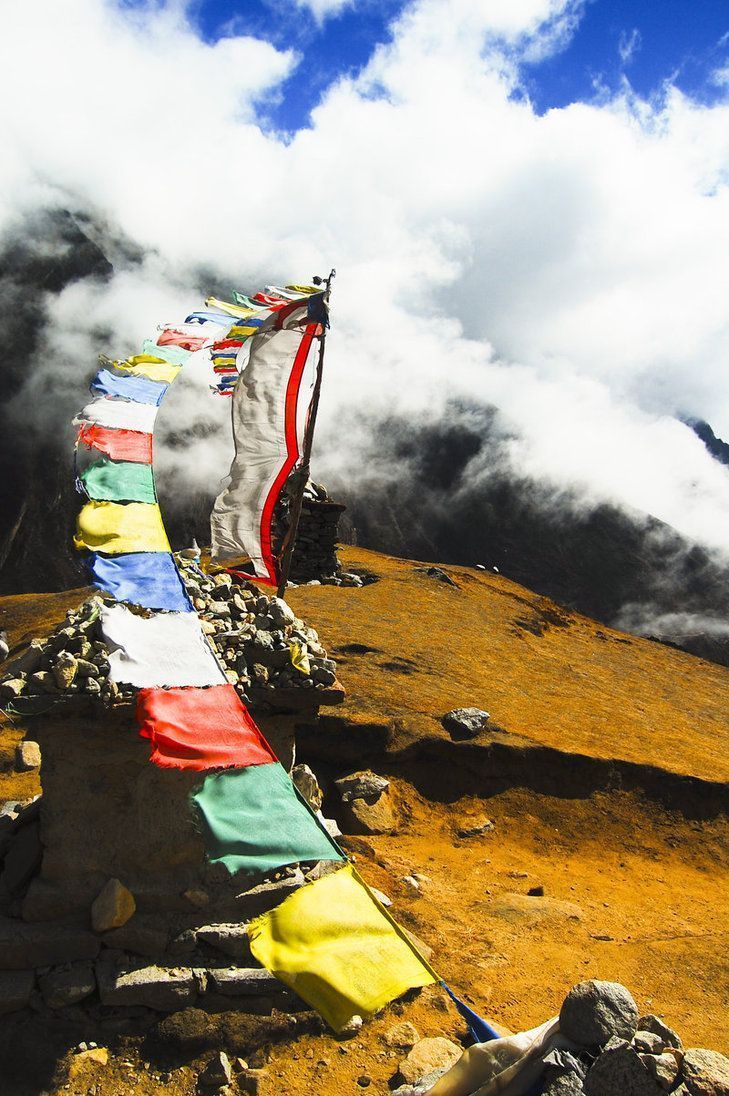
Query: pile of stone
point(260, 642)
point(619, 1051)
point(315, 553)
point(257, 638)
point(605, 1048)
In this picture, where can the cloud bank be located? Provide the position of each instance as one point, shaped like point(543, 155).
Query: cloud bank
point(568, 268)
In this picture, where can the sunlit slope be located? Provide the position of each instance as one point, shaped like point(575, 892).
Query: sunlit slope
point(411, 647)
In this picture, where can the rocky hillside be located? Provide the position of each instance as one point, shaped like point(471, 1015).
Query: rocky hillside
point(579, 832)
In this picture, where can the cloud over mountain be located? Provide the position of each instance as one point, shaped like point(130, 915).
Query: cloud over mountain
point(568, 268)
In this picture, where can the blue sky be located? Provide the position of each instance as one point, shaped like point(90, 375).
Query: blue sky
point(647, 41)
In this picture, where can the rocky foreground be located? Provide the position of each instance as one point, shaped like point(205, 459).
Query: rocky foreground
point(604, 1047)
point(258, 639)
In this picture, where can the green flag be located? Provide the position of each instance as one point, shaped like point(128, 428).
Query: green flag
point(253, 820)
point(119, 481)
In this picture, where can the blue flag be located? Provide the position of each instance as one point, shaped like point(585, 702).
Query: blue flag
point(480, 1030)
point(149, 579)
point(138, 389)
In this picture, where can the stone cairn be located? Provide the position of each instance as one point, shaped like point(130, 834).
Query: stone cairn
point(315, 557)
point(250, 633)
point(121, 949)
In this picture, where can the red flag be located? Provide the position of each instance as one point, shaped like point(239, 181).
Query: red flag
point(172, 336)
point(118, 444)
point(200, 729)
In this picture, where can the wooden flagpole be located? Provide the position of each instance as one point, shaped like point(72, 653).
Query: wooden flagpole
point(290, 541)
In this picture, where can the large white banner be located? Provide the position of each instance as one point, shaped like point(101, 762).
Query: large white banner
point(267, 435)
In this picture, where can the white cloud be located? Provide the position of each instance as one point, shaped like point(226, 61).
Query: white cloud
point(570, 268)
point(325, 9)
point(629, 44)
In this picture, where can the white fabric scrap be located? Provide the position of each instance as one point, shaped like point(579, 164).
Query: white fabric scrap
point(507, 1067)
point(163, 650)
point(119, 414)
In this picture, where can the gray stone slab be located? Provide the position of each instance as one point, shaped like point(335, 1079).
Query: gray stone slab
point(68, 985)
point(23, 946)
point(165, 989)
point(16, 987)
point(244, 982)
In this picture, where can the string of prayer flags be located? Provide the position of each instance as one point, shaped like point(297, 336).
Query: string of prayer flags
point(200, 729)
point(119, 414)
point(330, 941)
point(141, 389)
point(147, 579)
point(159, 651)
point(254, 820)
point(336, 946)
point(119, 481)
point(118, 444)
point(113, 527)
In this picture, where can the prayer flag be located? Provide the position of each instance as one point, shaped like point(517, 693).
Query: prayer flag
point(200, 729)
point(210, 316)
point(140, 389)
point(147, 365)
point(266, 430)
point(254, 820)
point(245, 303)
point(187, 336)
point(335, 946)
point(119, 481)
point(117, 444)
point(175, 355)
point(160, 651)
point(148, 579)
point(235, 309)
point(119, 414)
point(113, 527)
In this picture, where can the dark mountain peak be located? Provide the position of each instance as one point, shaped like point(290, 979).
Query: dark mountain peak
point(719, 449)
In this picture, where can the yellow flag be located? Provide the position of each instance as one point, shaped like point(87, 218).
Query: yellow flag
point(114, 528)
point(305, 288)
point(145, 365)
point(299, 657)
point(231, 309)
point(335, 946)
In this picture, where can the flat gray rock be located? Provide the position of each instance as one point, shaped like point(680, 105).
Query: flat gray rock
point(16, 987)
point(656, 1025)
point(619, 1072)
point(244, 982)
point(465, 722)
point(706, 1072)
point(595, 1011)
point(69, 985)
point(165, 989)
point(24, 945)
point(566, 1084)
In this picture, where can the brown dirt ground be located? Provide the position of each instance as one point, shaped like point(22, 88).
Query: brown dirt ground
point(650, 882)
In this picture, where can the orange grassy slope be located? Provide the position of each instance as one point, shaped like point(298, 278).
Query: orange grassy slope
point(411, 647)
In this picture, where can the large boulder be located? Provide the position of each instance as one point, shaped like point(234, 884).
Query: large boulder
point(594, 1012)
